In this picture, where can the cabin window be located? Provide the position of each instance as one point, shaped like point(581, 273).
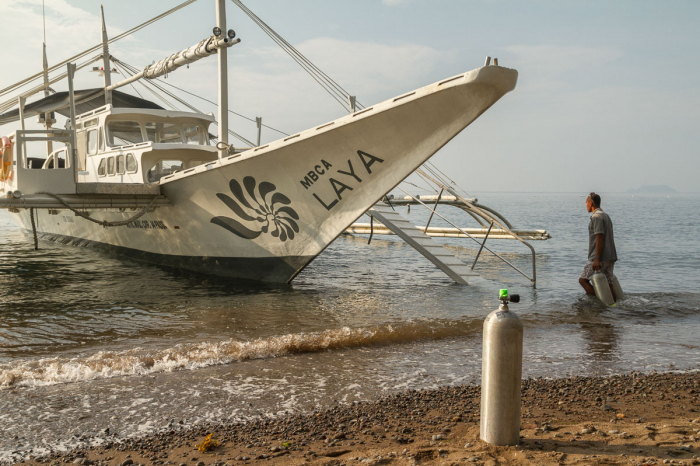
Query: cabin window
point(110, 166)
point(122, 133)
point(120, 164)
point(101, 143)
point(90, 123)
point(164, 168)
point(192, 135)
point(92, 142)
point(167, 133)
point(101, 169)
point(131, 166)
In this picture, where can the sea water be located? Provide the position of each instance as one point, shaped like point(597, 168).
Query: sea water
point(90, 342)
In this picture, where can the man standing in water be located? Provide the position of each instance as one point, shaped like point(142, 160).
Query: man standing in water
point(601, 246)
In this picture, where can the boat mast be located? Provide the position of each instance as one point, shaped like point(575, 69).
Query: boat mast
point(73, 142)
point(48, 121)
point(105, 59)
point(223, 78)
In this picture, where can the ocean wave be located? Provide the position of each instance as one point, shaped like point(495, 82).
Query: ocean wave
point(139, 361)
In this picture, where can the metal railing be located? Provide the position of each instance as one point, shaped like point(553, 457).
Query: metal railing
point(482, 245)
point(45, 135)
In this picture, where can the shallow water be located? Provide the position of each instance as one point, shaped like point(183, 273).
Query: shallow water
point(90, 341)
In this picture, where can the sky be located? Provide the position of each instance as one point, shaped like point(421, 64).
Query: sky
point(608, 97)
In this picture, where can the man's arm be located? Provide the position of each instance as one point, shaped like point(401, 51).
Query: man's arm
point(599, 244)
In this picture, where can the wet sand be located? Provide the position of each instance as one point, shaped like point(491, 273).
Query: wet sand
point(625, 419)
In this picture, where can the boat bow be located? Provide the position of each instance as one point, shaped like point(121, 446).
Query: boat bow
point(291, 198)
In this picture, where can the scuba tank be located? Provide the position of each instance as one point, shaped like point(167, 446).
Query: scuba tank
point(619, 294)
point(501, 374)
point(602, 289)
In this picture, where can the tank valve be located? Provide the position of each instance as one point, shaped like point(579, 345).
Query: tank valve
point(505, 298)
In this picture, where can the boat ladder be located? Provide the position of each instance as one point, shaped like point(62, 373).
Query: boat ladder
point(418, 240)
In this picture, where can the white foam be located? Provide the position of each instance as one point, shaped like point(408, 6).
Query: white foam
point(139, 361)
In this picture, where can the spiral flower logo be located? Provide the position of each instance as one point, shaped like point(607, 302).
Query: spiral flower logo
point(263, 210)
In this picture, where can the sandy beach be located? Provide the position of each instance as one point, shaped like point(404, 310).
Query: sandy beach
point(626, 419)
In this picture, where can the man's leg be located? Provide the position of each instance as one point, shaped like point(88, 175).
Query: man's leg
point(585, 278)
point(587, 286)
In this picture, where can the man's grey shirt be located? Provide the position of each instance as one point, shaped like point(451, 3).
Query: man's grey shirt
point(601, 224)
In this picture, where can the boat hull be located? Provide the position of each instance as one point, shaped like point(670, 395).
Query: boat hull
point(266, 213)
point(259, 269)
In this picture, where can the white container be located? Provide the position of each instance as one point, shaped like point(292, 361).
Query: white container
point(501, 374)
point(619, 294)
point(602, 288)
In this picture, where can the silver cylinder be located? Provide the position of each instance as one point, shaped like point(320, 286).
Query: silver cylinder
point(602, 288)
point(501, 374)
point(619, 294)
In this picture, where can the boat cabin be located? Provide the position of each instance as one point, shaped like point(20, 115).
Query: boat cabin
point(120, 145)
point(130, 141)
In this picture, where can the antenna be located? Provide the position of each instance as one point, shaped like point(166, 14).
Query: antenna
point(46, 61)
point(46, 73)
point(105, 59)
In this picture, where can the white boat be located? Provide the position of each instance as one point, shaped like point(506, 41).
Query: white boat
point(261, 214)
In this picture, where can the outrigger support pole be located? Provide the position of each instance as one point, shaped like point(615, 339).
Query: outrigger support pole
point(223, 80)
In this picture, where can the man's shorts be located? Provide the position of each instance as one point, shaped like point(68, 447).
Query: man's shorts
point(605, 266)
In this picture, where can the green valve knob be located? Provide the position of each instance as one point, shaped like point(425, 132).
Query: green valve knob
point(503, 294)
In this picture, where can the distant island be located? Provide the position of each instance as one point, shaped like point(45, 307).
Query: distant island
point(653, 189)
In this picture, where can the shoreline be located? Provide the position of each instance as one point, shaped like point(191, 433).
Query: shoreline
point(633, 418)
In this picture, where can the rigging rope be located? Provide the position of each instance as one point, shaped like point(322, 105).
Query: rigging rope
point(119, 68)
point(446, 180)
point(427, 182)
point(237, 136)
point(161, 98)
point(130, 69)
point(454, 183)
point(418, 187)
point(96, 47)
point(4, 106)
point(331, 86)
point(216, 104)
